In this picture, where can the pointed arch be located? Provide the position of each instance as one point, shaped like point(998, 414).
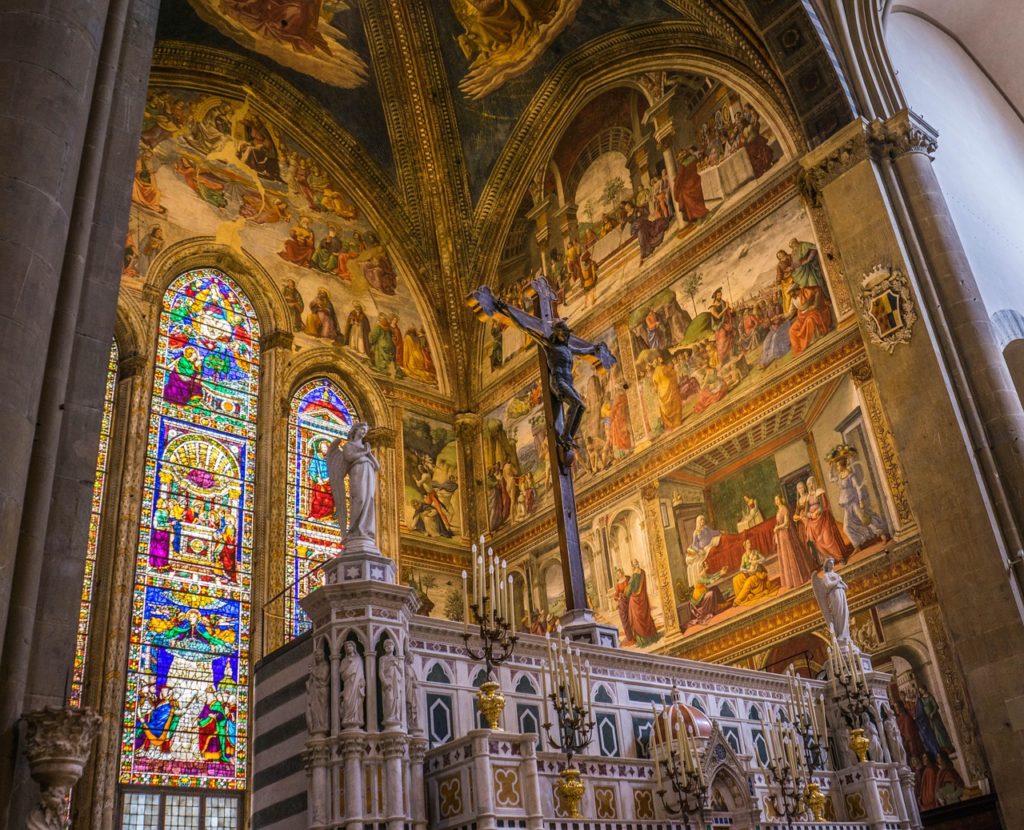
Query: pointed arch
point(186, 706)
point(319, 414)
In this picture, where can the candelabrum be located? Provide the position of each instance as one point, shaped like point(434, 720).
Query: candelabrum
point(791, 790)
point(850, 691)
point(491, 618)
point(807, 714)
point(687, 787)
point(568, 686)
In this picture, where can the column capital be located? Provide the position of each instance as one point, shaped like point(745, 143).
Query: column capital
point(277, 339)
point(393, 745)
point(905, 132)
point(354, 746)
point(317, 753)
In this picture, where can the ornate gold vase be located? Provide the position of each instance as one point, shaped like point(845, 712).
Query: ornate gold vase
point(815, 800)
point(570, 789)
point(492, 702)
point(859, 744)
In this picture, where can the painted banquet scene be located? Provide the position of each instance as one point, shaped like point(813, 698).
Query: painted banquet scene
point(511, 415)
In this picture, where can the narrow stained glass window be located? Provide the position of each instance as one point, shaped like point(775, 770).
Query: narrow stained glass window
point(98, 486)
point(319, 415)
point(186, 707)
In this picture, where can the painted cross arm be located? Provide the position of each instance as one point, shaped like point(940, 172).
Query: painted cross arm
point(485, 305)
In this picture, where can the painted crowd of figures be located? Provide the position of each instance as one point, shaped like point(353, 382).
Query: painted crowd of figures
point(260, 190)
point(689, 363)
point(798, 539)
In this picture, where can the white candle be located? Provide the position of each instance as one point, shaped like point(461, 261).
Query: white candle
point(512, 606)
point(590, 682)
point(504, 585)
point(478, 589)
point(544, 684)
point(824, 722)
point(465, 604)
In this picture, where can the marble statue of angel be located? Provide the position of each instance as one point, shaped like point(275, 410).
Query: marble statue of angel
point(354, 460)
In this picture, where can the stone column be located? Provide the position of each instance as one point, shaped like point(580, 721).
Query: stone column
point(483, 789)
point(531, 786)
point(467, 431)
point(316, 756)
point(353, 751)
point(417, 795)
point(393, 746)
point(68, 138)
point(659, 555)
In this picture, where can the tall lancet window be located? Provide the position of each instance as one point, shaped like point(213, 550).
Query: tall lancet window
point(319, 414)
point(186, 709)
point(98, 489)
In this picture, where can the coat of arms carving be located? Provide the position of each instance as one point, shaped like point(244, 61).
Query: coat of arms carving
point(888, 306)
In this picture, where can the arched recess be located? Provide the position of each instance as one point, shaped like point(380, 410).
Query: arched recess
point(585, 74)
point(362, 393)
point(254, 89)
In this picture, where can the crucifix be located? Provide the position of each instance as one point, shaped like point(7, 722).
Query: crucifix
point(558, 347)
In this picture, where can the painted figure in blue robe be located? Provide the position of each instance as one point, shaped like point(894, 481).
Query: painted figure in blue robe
point(156, 730)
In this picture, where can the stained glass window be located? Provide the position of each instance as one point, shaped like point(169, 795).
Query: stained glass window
point(85, 609)
point(319, 415)
point(186, 707)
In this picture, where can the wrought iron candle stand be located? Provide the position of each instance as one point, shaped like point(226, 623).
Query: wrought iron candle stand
point(787, 775)
point(570, 685)
point(811, 726)
point(851, 694)
point(492, 617)
point(689, 790)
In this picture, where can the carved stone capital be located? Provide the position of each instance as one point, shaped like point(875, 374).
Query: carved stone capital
point(650, 490)
point(861, 373)
point(382, 437)
point(131, 365)
point(57, 746)
point(393, 746)
point(278, 339)
point(467, 425)
point(417, 750)
point(904, 133)
point(354, 746)
point(317, 754)
point(826, 163)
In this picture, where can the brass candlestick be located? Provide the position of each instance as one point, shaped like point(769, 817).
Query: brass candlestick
point(492, 617)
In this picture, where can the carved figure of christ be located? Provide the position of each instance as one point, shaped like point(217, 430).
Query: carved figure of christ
point(558, 347)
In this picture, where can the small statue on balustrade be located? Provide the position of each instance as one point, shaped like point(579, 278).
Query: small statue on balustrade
point(353, 684)
point(391, 668)
point(316, 693)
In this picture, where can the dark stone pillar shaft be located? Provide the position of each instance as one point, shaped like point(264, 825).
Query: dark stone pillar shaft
point(97, 54)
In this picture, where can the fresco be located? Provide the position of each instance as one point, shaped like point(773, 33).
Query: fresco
point(606, 432)
point(518, 471)
point(619, 574)
point(439, 592)
point(756, 526)
point(502, 40)
point(432, 500)
point(301, 34)
point(746, 313)
point(621, 211)
point(209, 165)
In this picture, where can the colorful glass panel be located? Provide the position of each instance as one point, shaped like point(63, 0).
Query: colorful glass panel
point(85, 609)
point(319, 415)
point(186, 706)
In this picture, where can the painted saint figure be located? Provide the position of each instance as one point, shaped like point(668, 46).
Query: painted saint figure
point(321, 500)
point(860, 521)
point(704, 540)
point(641, 622)
point(795, 566)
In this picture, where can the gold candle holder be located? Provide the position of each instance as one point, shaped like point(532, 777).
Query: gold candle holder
point(570, 788)
point(859, 744)
point(815, 800)
point(492, 702)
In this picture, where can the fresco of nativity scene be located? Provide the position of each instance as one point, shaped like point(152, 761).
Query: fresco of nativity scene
point(629, 182)
point(212, 166)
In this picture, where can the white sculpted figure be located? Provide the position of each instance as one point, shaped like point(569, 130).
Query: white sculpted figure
point(876, 752)
point(354, 459)
point(412, 708)
point(353, 687)
point(316, 693)
point(830, 591)
point(392, 683)
point(894, 740)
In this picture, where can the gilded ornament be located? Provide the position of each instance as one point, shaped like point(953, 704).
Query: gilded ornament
point(859, 744)
point(492, 702)
point(570, 789)
point(888, 306)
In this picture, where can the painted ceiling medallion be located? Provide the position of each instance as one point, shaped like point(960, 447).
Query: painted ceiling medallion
point(502, 40)
point(888, 306)
point(299, 34)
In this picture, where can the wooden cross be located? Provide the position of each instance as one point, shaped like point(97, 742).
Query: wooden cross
point(563, 411)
